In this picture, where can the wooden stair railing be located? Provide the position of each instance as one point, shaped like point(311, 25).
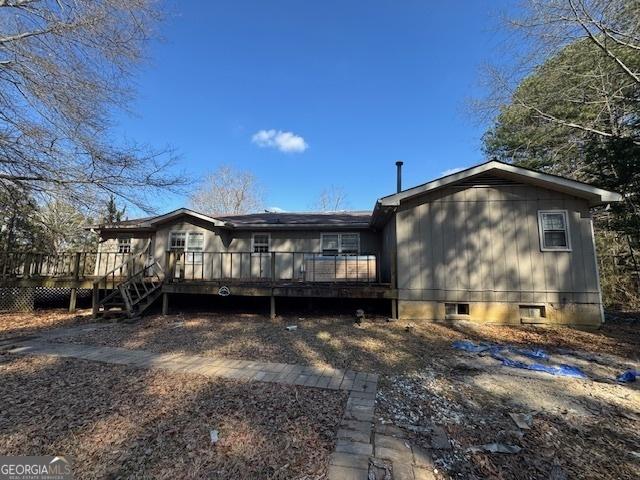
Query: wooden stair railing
point(142, 289)
point(118, 284)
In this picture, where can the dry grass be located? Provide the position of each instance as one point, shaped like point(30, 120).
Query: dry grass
point(120, 422)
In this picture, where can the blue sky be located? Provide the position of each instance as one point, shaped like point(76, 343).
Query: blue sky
point(359, 84)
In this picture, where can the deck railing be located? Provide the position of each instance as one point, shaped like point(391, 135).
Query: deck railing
point(203, 266)
point(271, 266)
point(66, 264)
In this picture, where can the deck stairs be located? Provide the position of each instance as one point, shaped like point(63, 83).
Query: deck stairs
point(128, 290)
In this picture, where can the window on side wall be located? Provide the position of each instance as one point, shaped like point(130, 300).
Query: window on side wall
point(177, 240)
point(124, 245)
point(349, 244)
point(340, 243)
point(554, 230)
point(195, 246)
point(261, 242)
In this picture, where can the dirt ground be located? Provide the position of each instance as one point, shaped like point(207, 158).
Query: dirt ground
point(120, 422)
point(580, 428)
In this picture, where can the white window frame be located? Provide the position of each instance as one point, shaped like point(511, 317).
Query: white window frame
point(193, 256)
point(322, 235)
point(189, 257)
point(253, 243)
point(541, 230)
point(122, 242)
point(177, 232)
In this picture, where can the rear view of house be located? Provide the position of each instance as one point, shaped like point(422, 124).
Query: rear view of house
point(493, 243)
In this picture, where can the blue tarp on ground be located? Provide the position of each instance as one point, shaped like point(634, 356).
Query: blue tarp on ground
point(493, 348)
point(628, 376)
point(500, 353)
point(468, 346)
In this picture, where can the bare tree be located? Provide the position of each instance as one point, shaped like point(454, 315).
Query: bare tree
point(331, 199)
point(65, 65)
point(64, 226)
point(228, 191)
point(569, 33)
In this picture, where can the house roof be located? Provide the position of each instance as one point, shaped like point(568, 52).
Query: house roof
point(266, 220)
point(595, 196)
point(302, 219)
point(135, 223)
point(181, 212)
point(384, 206)
point(149, 223)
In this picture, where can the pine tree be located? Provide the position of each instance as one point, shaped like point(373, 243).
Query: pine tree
point(113, 214)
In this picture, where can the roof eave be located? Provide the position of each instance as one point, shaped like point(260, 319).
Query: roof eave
point(185, 211)
point(123, 229)
point(381, 214)
point(595, 196)
point(299, 226)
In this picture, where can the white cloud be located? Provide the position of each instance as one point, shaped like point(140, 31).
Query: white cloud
point(275, 210)
point(451, 171)
point(287, 142)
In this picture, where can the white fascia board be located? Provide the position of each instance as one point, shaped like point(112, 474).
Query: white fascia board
point(596, 196)
point(186, 211)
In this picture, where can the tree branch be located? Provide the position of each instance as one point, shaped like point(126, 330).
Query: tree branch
point(603, 47)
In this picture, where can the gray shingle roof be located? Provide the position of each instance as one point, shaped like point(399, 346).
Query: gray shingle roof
point(267, 219)
point(136, 222)
point(273, 218)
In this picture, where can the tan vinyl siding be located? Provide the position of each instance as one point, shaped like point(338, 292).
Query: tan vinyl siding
point(388, 250)
point(482, 244)
point(219, 240)
point(108, 257)
point(302, 241)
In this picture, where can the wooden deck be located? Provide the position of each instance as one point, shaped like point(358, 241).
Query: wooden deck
point(282, 289)
point(237, 287)
point(273, 274)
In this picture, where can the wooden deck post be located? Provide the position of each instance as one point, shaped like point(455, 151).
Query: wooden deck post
point(76, 266)
point(273, 266)
point(73, 299)
point(394, 308)
point(171, 266)
point(5, 264)
point(27, 265)
point(94, 300)
point(165, 303)
point(272, 314)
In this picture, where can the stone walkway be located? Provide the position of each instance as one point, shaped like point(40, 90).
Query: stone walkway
point(379, 452)
point(329, 378)
point(363, 451)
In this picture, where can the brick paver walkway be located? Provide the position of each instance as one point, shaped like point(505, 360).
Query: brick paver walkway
point(318, 377)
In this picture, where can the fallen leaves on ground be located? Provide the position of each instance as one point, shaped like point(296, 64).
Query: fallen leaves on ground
point(27, 323)
point(582, 429)
point(120, 422)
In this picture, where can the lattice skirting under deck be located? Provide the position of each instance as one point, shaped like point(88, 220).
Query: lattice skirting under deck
point(26, 299)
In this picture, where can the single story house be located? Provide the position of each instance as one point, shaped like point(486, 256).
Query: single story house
point(492, 243)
